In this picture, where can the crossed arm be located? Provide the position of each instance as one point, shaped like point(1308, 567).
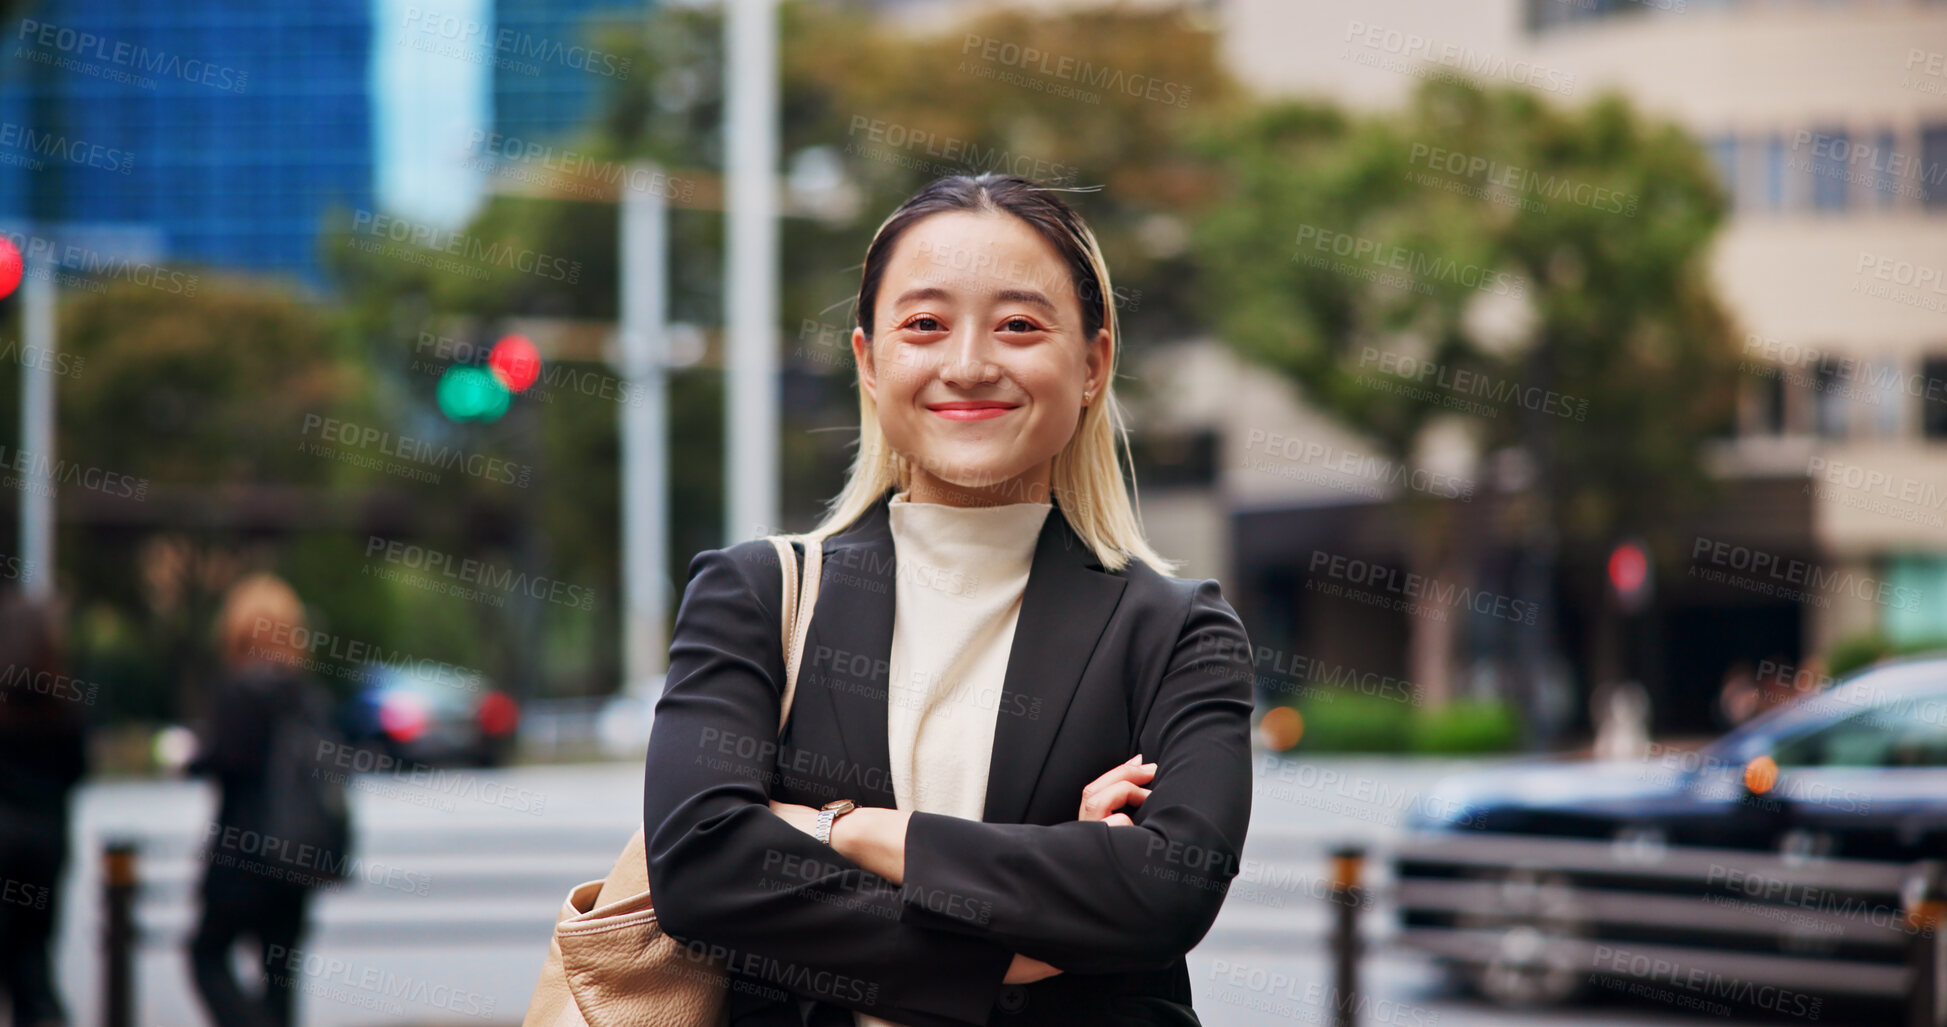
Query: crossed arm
point(875, 838)
point(860, 923)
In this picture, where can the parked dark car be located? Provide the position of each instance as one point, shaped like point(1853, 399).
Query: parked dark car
point(1773, 868)
point(434, 717)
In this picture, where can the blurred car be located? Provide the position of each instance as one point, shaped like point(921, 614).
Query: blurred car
point(436, 717)
point(1774, 867)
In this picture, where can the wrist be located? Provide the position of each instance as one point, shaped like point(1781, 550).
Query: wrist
point(874, 838)
point(827, 818)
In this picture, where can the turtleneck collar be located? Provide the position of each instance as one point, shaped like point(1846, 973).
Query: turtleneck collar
point(1001, 537)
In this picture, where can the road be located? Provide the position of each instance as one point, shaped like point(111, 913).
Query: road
point(447, 920)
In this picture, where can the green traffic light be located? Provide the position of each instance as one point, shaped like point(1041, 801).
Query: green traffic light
point(468, 392)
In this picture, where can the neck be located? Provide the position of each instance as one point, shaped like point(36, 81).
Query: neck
point(1031, 486)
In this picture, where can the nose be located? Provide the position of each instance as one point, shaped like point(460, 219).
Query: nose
point(965, 361)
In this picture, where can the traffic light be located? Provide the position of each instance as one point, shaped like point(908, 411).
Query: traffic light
point(11, 267)
point(468, 392)
point(474, 392)
point(1629, 575)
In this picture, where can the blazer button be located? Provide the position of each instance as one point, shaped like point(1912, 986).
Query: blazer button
point(1013, 997)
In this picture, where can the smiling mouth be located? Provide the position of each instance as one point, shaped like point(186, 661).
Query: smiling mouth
point(972, 411)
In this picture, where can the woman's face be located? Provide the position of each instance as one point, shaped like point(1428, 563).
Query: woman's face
point(977, 362)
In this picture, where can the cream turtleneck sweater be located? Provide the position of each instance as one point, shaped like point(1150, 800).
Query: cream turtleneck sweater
point(961, 574)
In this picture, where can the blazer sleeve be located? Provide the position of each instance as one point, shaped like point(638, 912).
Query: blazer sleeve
point(1091, 898)
point(736, 880)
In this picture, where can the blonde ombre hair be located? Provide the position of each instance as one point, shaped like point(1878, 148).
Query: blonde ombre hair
point(1086, 479)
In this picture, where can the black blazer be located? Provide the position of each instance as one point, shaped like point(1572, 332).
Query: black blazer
point(1103, 666)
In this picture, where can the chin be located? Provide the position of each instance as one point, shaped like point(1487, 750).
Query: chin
point(971, 473)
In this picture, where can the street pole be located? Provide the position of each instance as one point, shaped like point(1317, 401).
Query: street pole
point(751, 392)
point(644, 429)
point(37, 431)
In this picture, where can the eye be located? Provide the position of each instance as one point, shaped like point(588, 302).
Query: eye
point(924, 323)
point(1019, 324)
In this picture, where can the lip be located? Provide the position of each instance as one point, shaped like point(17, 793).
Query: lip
point(971, 410)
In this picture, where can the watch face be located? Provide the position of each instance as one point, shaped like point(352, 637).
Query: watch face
point(839, 805)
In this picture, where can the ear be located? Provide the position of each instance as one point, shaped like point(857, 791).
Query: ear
point(1101, 357)
point(862, 359)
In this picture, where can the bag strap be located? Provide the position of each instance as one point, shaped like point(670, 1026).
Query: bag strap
point(797, 601)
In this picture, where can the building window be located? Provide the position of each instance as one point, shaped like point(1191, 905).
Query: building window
point(1921, 580)
point(1774, 173)
point(1933, 166)
point(1887, 382)
point(1933, 398)
point(1829, 404)
point(1765, 404)
point(1184, 459)
point(1885, 184)
point(1828, 167)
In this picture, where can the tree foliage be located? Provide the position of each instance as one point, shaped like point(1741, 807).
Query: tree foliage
point(1465, 257)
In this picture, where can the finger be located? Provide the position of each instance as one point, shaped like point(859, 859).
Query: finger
point(1116, 796)
point(1113, 797)
point(1119, 819)
point(1101, 801)
point(1125, 772)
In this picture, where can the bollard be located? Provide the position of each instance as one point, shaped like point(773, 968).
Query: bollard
point(118, 935)
point(1925, 897)
point(1347, 861)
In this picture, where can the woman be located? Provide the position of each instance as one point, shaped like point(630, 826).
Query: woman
point(246, 891)
point(1044, 738)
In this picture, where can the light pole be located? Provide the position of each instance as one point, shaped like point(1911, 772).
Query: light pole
point(751, 393)
point(644, 487)
point(37, 430)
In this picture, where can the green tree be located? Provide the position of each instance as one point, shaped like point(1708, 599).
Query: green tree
point(1518, 249)
point(181, 428)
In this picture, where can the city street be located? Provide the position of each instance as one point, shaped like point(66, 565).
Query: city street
point(460, 876)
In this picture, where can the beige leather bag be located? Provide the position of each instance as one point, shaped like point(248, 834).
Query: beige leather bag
point(610, 964)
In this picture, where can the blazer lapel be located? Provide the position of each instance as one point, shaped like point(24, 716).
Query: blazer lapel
point(850, 650)
point(1065, 606)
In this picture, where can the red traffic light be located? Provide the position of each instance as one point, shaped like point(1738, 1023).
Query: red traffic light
point(1629, 574)
point(515, 362)
point(11, 267)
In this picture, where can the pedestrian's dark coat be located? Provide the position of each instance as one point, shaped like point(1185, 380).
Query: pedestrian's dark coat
point(1104, 666)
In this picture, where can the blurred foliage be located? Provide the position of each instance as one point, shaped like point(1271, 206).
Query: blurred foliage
point(200, 398)
point(1350, 721)
point(1857, 652)
point(1497, 249)
point(1608, 301)
point(1346, 721)
point(1465, 727)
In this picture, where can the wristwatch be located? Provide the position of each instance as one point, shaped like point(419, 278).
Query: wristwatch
point(830, 812)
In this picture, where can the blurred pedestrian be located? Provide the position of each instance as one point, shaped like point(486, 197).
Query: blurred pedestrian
point(43, 753)
point(270, 845)
point(1737, 697)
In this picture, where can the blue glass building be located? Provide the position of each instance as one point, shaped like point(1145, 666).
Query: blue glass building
point(230, 126)
point(544, 90)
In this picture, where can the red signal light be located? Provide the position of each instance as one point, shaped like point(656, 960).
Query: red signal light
point(515, 362)
point(12, 267)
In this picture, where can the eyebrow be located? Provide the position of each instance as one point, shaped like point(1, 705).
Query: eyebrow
point(933, 292)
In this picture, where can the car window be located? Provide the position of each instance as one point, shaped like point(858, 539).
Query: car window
point(1900, 734)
